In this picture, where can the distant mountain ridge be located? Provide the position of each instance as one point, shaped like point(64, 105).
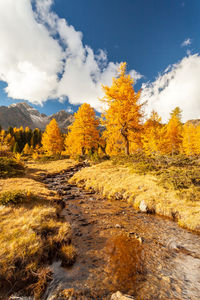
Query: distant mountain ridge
point(195, 122)
point(22, 114)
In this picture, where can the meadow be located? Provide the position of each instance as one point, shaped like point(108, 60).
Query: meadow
point(32, 230)
point(168, 186)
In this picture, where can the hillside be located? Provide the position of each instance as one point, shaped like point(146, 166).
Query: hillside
point(22, 114)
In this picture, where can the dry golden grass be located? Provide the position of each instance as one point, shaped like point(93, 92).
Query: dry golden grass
point(44, 277)
point(68, 255)
point(30, 232)
point(51, 166)
point(117, 181)
point(67, 293)
point(21, 184)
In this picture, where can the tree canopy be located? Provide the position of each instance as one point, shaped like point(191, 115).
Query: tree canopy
point(123, 114)
point(52, 140)
point(83, 134)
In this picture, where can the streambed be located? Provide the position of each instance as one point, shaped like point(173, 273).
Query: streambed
point(171, 253)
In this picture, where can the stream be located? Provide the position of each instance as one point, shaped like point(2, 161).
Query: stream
point(171, 254)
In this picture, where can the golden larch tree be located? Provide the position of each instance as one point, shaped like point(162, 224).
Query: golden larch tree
point(152, 134)
point(124, 112)
point(198, 139)
point(191, 141)
point(2, 137)
point(173, 136)
point(52, 140)
point(26, 149)
point(83, 134)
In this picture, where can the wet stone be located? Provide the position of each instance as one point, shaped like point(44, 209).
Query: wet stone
point(85, 224)
point(69, 197)
point(118, 226)
point(66, 187)
point(78, 234)
point(119, 296)
point(60, 192)
point(20, 298)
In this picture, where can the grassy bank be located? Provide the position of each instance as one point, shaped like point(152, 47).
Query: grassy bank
point(168, 186)
point(31, 231)
point(49, 167)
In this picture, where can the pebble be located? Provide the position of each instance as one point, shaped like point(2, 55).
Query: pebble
point(119, 296)
point(118, 226)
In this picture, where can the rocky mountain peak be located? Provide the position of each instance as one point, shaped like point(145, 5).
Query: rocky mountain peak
point(23, 114)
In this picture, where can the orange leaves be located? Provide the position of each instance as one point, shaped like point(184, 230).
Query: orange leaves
point(191, 139)
point(152, 134)
point(173, 134)
point(52, 140)
point(124, 114)
point(83, 133)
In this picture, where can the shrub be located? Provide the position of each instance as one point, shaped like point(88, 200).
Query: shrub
point(68, 255)
point(44, 276)
point(178, 178)
point(35, 156)
point(15, 197)
point(18, 157)
point(46, 158)
point(10, 167)
point(5, 153)
point(178, 172)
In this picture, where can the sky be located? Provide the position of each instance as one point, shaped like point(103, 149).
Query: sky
point(56, 54)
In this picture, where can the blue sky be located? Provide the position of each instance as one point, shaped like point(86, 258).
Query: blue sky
point(150, 35)
point(145, 33)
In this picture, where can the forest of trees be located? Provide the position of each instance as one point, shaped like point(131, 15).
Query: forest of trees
point(19, 140)
point(120, 130)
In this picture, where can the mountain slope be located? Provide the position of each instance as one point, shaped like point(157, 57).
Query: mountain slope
point(22, 114)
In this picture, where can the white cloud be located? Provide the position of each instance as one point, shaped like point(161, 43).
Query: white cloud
point(42, 56)
point(135, 75)
point(178, 86)
point(186, 42)
point(29, 57)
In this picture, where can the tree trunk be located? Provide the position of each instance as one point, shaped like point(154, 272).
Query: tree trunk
point(83, 150)
point(127, 152)
point(125, 136)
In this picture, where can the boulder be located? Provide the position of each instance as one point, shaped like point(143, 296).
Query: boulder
point(119, 296)
point(118, 226)
point(143, 207)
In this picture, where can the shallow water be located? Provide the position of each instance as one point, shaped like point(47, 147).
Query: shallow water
point(172, 254)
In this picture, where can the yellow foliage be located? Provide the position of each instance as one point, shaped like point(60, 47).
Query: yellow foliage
point(83, 133)
point(26, 149)
point(17, 156)
point(123, 116)
point(52, 140)
point(173, 133)
point(27, 129)
point(152, 134)
point(198, 139)
point(35, 155)
point(191, 139)
point(2, 137)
